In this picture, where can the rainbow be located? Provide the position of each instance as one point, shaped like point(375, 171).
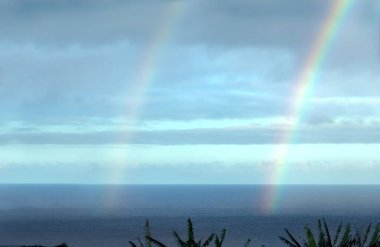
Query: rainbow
point(152, 57)
point(304, 85)
point(145, 75)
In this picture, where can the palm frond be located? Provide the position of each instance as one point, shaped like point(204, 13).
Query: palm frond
point(155, 242)
point(178, 239)
point(222, 236)
point(346, 236)
point(321, 241)
point(337, 234)
point(132, 244)
point(375, 236)
point(219, 239)
point(147, 233)
point(366, 234)
point(292, 239)
point(287, 242)
point(310, 237)
point(190, 231)
point(328, 240)
point(208, 240)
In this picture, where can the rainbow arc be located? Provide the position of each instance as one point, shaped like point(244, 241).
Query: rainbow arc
point(144, 77)
point(308, 77)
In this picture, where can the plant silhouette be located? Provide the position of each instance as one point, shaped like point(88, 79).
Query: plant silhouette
point(345, 239)
point(190, 242)
point(147, 235)
point(219, 239)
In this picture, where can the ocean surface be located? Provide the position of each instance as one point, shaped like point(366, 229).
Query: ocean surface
point(99, 215)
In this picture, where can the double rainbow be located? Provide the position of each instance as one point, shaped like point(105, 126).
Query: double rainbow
point(304, 85)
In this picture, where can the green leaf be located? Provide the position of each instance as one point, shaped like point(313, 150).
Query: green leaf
point(337, 234)
point(375, 236)
point(132, 244)
point(147, 233)
point(222, 236)
point(366, 234)
point(329, 242)
point(287, 242)
point(155, 242)
point(190, 232)
point(292, 239)
point(321, 241)
point(208, 241)
point(179, 241)
point(310, 237)
point(346, 236)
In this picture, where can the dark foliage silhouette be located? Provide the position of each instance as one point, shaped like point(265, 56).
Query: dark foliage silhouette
point(148, 243)
point(346, 239)
point(191, 241)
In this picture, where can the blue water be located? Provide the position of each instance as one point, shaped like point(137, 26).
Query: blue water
point(96, 215)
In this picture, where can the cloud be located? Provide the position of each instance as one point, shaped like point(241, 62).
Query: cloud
point(287, 24)
point(50, 85)
point(66, 23)
point(66, 62)
point(82, 82)
point(349, 132)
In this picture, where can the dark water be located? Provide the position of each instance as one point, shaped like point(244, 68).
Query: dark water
point(92, 215)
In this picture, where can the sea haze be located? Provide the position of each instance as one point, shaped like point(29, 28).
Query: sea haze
point(111, 215)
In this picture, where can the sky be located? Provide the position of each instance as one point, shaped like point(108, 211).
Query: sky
point(186, 91)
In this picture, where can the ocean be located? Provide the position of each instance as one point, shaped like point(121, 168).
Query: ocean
point(112, 215)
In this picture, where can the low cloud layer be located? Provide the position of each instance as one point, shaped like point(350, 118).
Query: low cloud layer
point(238, 135)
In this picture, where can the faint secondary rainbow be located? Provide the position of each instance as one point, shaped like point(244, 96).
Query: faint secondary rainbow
point(304, 85)
point(152, 57)
point(145, 75)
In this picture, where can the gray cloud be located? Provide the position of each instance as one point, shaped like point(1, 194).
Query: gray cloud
point(291, 25)
point(225, 23)
point(247, 135)
point(72, 61)
point(63, 23)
